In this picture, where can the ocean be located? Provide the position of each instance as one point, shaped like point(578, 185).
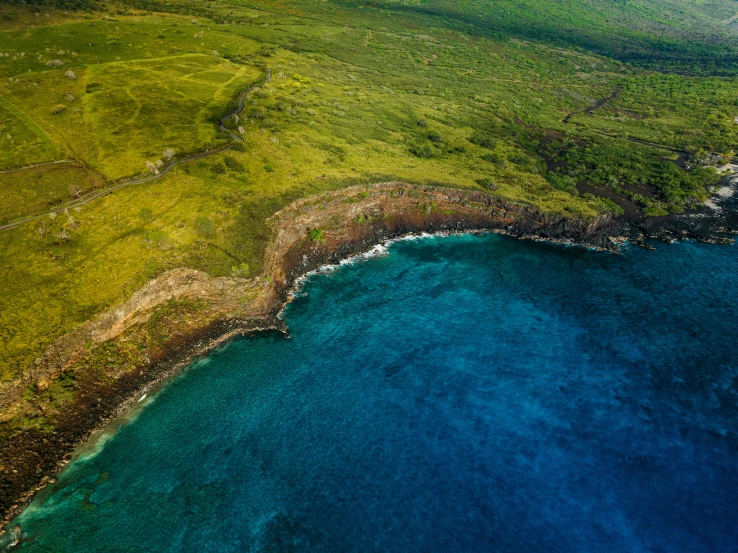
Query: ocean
point(464, 393)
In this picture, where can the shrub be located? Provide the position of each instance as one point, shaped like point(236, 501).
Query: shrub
point(421, 149)
point(482, 139)
point(488, 183)
point(29, 393)
point(604, 204)
point(316, 234)
point(563, 182)
point(242, 269)
point(519, 158)
point(435, 137)
point(233, 164)
point(493, 158)
point(655, 211)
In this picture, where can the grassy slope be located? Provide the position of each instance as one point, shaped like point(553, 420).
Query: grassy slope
point(127, 99)
point(358, 95)
point(684, 34)
point(686, 112)
point(29, 191)
point(17, 121)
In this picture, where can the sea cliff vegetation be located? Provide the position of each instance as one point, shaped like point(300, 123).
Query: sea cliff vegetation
point(600, 109)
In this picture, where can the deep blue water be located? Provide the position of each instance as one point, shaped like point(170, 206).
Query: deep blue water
point(459, 394)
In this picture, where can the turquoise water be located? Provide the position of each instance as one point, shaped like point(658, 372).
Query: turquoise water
point(459, 394)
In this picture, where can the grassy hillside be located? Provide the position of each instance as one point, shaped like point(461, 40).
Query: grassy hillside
point(530, 101)
point(684, 35)
point(116, 96)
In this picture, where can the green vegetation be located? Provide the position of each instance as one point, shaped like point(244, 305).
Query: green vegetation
point(242, 269)
point(25, 141)
point(683, 112)
point(119, 116)
point(316, 234)
point(664, 34)
point(604, 166)
point(513, 98)
point(41, 188)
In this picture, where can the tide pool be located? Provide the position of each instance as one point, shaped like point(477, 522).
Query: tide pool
point(457, 394)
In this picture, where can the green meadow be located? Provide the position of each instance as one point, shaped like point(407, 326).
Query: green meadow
point(360, 93)
point(28, 192)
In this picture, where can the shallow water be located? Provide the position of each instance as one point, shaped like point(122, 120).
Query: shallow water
point(459, 394)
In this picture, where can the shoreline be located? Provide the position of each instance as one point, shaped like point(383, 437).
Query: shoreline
point(397, 211)
point(383, 247)
point(274, 323)
point(130, 402)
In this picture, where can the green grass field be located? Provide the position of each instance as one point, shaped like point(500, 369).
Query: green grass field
point(428, 92)
point(42, 188)
point(117, 116)
point(24, 141)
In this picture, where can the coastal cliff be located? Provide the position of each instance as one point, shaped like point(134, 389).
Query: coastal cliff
point(93, 373)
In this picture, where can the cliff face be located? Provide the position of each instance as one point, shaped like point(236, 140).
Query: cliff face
point(184, 312)
point(356, 218)
point(226, 295)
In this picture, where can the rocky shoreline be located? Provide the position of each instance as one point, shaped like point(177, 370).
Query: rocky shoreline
point(351, 221)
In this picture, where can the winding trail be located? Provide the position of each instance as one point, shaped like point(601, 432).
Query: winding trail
point(166, 169)
point(239, 107)
point(597, 105)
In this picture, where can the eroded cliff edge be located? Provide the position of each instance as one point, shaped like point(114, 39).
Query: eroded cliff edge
point(91, 374)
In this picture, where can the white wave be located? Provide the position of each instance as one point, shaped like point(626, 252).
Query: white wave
point(379, 250)
point(421, 236)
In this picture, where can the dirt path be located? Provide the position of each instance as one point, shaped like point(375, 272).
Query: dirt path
point(597, 105)
point(167, 168)
point(239, 108)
